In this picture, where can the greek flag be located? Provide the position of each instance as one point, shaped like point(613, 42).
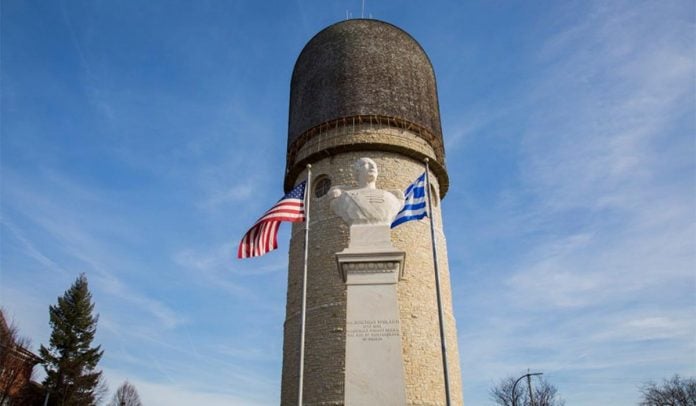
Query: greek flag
point(414, 205)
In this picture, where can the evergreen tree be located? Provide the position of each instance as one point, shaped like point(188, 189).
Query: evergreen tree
point(70, 361)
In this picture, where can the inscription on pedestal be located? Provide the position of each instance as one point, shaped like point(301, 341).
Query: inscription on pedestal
point(372, 330)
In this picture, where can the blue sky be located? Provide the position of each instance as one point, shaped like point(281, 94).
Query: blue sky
point(141, 139)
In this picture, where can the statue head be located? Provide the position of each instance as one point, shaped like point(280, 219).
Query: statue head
point(365, 171)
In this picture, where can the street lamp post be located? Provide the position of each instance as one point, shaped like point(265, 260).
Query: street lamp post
point(528, 376)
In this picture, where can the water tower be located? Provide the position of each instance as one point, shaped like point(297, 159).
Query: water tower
point(364, 88)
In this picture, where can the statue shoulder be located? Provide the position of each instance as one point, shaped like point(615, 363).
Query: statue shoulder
point(397, 193)
point(336, 191)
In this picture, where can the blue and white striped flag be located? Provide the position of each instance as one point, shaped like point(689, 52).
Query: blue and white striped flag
point(414, 205)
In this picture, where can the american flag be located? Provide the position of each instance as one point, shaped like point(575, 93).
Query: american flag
point(262, 237)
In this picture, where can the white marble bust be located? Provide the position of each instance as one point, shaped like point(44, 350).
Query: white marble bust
point(366, 205)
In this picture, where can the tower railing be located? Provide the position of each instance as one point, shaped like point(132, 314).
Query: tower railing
point(350, 125)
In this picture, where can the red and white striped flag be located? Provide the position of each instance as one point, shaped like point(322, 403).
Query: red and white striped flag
point(263, 236)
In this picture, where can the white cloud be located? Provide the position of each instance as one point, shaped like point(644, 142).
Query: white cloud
point(231, 194)
point(184, 393)
point(603, 211)
point(78, 238)
point(650, 328)
point(31, 250)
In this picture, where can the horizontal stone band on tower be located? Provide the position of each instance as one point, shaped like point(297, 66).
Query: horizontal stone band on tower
point(348, 124)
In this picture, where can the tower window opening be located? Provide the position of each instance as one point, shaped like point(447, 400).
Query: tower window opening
point(322, 185)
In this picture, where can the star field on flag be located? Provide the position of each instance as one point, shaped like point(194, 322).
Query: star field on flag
point(262, 237)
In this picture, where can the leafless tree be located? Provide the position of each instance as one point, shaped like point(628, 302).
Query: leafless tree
point(544, 393)
point(676, 391)
point(16, 363)
point(126, 395)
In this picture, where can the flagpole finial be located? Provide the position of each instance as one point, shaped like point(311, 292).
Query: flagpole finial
point(309, 166)
point(426, 160)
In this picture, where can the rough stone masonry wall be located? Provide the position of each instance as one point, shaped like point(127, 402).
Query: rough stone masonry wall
point(326, 292)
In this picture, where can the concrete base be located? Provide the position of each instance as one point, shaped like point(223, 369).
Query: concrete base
point(374, 365)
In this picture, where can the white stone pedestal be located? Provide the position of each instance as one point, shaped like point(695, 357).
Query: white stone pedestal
point(374, 365)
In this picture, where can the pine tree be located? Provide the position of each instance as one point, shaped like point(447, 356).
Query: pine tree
point(70, 361)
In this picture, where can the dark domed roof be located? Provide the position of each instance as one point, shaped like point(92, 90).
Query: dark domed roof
point(359, 68)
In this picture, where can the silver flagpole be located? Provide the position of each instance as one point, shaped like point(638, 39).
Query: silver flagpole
point(440, 314)
point(308, 190)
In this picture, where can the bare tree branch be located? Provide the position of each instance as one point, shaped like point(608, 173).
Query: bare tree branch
point(675, 391)
point(16, 362)
point(545, 394)
point(126, 395)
